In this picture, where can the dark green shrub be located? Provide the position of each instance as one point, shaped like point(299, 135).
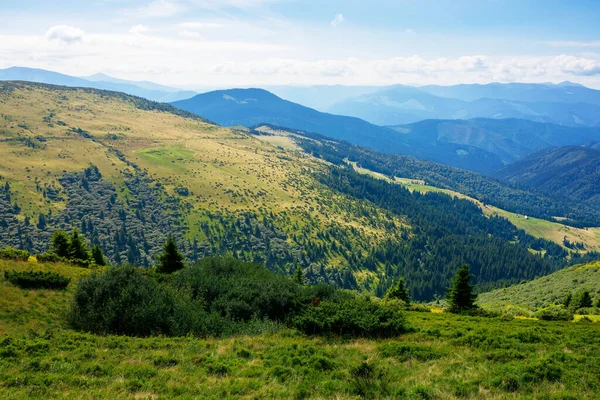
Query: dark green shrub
point(124, 301)
point(37, 279)
point(350, 314)
point(240, 290)
point(10, 253)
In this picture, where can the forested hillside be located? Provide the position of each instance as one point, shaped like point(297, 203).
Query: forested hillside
point(127, 172)
point(571, 173)
point(483, 188)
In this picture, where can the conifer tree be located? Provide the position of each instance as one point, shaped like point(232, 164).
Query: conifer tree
point(171, 259)
point(77, 247)
point(582, 300)
point(299, 276)
point(97, 256)
point(60, 244)
point(461, 296)
point(398, 291)
point(567, 300)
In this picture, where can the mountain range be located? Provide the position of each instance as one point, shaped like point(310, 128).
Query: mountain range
point(148, 90)
point(481, 145)
point(569, 105)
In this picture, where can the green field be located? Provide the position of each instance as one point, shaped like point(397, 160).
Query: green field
point(447, 357)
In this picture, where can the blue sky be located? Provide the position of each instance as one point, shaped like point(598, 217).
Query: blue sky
point(259, 42)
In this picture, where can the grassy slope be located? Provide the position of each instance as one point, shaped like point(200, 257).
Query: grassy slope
point(548, 289)
point(449, 357)
point(227, 171)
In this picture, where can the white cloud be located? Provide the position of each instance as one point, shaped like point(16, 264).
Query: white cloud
point(410, 31)
point(139, 29)
point(66, 34)
point(200, 25)
point(189, 34)
point(157, 9)
point(337, 20)
point(577, 66)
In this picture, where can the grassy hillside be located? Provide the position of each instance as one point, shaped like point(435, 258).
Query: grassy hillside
point(168, 172)
point(446, 357)
point(127, 172)
point(540, 228)
point(548, 289)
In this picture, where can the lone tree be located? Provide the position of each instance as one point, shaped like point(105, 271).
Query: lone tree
point(299, 276)
point(171, 259)
point(77, 247)
point(461, 296)
point(398, 291)
point(60, 244)
point(97, 256)
point(582, 300)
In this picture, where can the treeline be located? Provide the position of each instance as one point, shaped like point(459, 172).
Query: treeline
point(486, 190)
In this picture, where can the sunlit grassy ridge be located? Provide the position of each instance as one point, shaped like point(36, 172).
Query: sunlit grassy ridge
point(47, 131)
point(448, 357)
point(548, 289)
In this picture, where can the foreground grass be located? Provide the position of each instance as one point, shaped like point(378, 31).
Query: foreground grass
point(447, 357)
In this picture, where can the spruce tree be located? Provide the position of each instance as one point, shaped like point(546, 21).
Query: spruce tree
point(567, 300)
point(60, 244)
point(398, 291)
point(77, 247)
point(171, 259)
point(97, 256)
point(461, 296)
point(582, 300)
point(299, 276)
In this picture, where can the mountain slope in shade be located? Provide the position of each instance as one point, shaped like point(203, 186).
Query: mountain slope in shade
point(505, 140)
point(146, 90)
point(571, 172)
point(477, 145)
point(250, 107)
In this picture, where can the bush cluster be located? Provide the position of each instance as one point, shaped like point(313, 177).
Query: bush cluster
point(554, 312)
point(219, 296)
point(37, 279)
point(10, 253)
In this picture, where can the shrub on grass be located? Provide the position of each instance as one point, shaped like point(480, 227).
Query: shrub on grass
point(554, 312)
point(241, 291)
point(351, 314)
point(10, 253)
point(124, 301)
point(50, 257)
point(37, 279)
